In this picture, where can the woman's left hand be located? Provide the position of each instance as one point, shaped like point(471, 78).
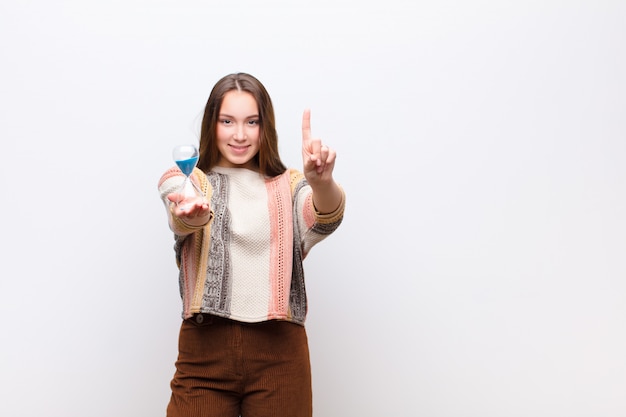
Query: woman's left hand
point(317, 158)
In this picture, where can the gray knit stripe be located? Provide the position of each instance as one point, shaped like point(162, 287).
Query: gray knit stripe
point(217, 295)
point(297, 295)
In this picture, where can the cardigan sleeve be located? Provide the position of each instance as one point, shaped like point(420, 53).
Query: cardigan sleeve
point(313, 227)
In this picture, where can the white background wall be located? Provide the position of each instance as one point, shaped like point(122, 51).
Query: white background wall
point(480, 270)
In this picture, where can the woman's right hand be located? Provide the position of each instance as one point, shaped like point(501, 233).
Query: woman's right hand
point(194, 211)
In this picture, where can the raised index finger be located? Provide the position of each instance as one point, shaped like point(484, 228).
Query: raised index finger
point(306, 125)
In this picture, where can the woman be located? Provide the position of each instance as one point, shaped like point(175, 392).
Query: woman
point(242, 346)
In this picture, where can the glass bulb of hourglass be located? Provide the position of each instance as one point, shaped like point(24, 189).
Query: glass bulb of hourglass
point(186, 158)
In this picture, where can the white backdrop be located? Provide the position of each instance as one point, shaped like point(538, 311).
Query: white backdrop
point(480, 270)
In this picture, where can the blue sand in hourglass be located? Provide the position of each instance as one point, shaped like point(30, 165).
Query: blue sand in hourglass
point(187, 165)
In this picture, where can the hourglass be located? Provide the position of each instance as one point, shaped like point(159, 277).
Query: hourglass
point(186, 157)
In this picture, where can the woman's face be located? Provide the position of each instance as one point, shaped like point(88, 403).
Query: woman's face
point(238, 130)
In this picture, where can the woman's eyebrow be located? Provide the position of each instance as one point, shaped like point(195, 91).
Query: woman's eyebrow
point(233, 117)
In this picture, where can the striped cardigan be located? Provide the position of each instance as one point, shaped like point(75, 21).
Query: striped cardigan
point(246, 263)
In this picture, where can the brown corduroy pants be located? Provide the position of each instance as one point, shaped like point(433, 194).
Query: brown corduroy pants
point(227, 368)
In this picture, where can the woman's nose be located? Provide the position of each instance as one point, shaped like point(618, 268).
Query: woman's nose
point(240, 133)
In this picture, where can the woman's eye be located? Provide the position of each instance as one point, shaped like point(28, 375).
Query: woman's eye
point(253, 122)
point(225, 121)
